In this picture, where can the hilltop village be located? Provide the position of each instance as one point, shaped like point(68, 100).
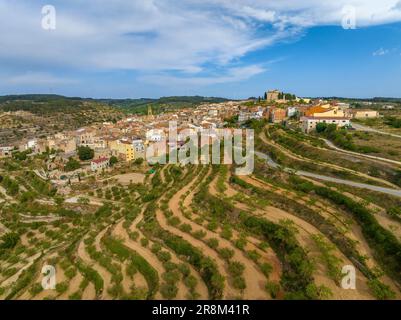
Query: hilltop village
point(97, 147)
point(324, 192)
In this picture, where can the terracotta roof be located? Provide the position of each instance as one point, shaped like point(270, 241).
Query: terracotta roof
point(316, 109)
point(100, 160)
point(325, 118)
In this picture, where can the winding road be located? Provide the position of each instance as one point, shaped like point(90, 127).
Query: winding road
point(270, 162)
point(332, 146)
point(360, 127)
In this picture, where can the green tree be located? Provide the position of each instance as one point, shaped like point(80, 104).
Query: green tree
point(72, 165)
point(85, 153)
point(113, 161)
point(321, 127)
point(138, 161)
point(9, 241)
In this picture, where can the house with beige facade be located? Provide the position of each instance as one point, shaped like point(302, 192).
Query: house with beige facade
point(100, 164)
point(363, 113)
point(309, 123)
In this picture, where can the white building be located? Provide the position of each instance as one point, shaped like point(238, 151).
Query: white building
point(139, 148)
point(99, 164)
point(6, 151)
point(309, 123)
point(155, 135)
point(256, 115)
point(343, 105)
point(292, 111)
point(243, 116)
point(213, 113)
point(31, 144)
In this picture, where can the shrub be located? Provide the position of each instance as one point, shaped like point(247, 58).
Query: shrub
point(254, 255)
point(9, 240)
point(144, 242)
point(36, 289)
point(226, 253)
point(239, 283)
point(212, 243)
point(199, 234)
point(236, 268)
point(156, 247)
point(226, 233)
point(164, 256)
point(191, 282)
point(168, 291)
point(272, 288)
point(266, 269)
point(380, 290)
point(70, 272)
point(62, 287)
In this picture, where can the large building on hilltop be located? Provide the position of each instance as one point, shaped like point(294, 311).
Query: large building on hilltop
point(273, 95)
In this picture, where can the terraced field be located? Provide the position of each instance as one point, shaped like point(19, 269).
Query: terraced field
point(201, 232)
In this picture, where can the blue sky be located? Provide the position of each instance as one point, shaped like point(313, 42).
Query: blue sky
point(229, 48)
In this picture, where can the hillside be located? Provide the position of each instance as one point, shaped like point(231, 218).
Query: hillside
point(140, 106)
point(39, 115)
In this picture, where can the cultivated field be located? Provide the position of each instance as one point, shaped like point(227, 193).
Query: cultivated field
point(201, 232)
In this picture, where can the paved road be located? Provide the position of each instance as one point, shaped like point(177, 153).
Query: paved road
point(390, 191)
point(393, 192)
point(360, 127)
point(331, 145)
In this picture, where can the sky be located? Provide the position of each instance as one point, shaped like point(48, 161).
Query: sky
point(226, 48)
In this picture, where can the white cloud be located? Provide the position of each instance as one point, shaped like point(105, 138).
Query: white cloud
point(156, 36)
point(231, 75)
point(380, 52)
point(38, 79)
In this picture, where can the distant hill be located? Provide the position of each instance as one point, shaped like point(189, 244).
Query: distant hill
point(47, 114)
point(375, 99)
point(140, 106)
point(49, 103)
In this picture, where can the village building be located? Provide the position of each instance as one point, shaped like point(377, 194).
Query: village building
point(100, 164)
point(309, 123)
point(122, 149)
point(6, 151)
point(363, 114)
point(272, 95)
point(277, 115)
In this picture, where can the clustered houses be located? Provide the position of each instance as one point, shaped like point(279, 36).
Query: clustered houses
point(324, 113)
point(128, 139)
point(333, 113)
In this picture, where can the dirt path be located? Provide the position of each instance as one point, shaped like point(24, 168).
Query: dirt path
point(359, 155)
point(15, 276)
point(363, 248)
point(121, 233)
point(306, 230)
point(229, 291)
point(106, 276)
point(73, 286)
point(89, 292)
point(294, 156)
